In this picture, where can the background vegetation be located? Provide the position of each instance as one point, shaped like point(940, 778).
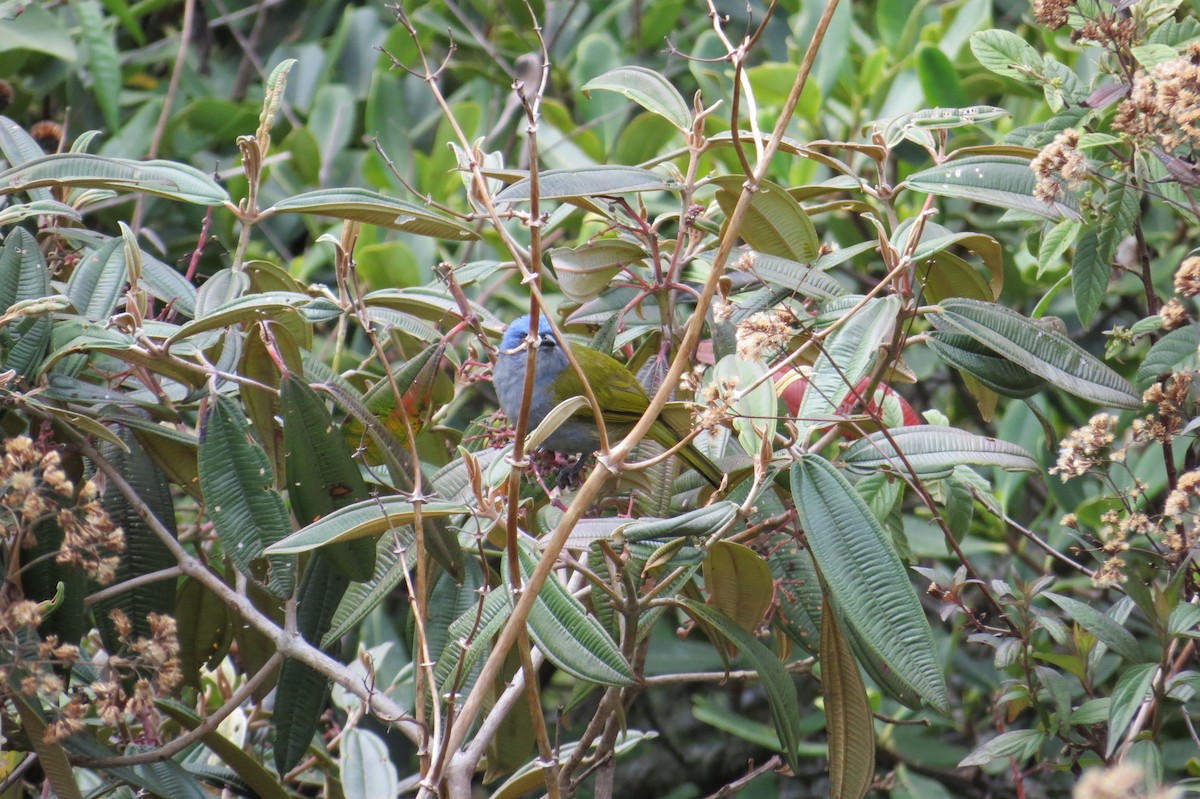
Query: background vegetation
point(929, 303)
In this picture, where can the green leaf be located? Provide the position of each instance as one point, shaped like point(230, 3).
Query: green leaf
point(246, 310)
point(648, 89)
point(98, 281)
point(933, 450)
point(256, 776)
point(321, 475)
point(144, 552)
point(775, 224)
point(585, 271)
point(596, 181)
point(1004, 181)
point(366, 767)
point(868, 585)
point(532, 776)
point(468, 638)
point(1109, 632)
point(368, 518)
point(373, 208)
point(19, 147)
point(844, 361)
point(1183, 620)
point(1174, 352)
point(754, 411)
point(204, 629)
point(239, 494)
point(1090, 272)
point(1019, 744)
point(51, 756)
point(848, 718)
point(35, 29)
point(1055, 243)
point(1006, 53)
point(363, 597)
point(739, 583)
point(803, 279)
point(776, 681)
point(939, 79)
point(168, 179)
point(302, 692)
point(102, 60)
point(1132, 689)
point(1043, 351)
point(24, 280)
point(972, 358)
point(701, 522)
point(570, 638)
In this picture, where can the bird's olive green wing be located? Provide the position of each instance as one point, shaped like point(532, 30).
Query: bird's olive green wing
point(618, 392)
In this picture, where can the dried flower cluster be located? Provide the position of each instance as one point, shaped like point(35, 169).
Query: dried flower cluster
point(715, 403)
point(1060, 162)
point(1081, 450)
point(764, 333)
point(1123, 781)
point(1187, 277)
point(1164, 104)
point(1051, 14)
point(36, 489)
point(1169, 398)
point(1173, 314)
point(151, 665)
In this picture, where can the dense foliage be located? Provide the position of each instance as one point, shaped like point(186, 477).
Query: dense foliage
point(918, 278)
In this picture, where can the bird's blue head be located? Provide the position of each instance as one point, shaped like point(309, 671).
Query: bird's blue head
point(518, 330)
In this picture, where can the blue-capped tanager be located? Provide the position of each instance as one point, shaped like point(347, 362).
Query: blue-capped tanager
point(621, 398)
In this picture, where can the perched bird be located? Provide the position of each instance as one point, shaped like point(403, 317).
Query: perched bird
point(621, 397)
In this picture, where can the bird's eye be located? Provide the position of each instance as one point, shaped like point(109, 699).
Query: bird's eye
point(548, 340)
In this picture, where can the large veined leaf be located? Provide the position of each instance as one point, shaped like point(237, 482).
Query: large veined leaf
point(1132, 689)
point(775, 224)
point(776, 681)
point(168, 179)
point(362, 598)
point(809, 281)
point(1175, 351)
point(1044, 352)
point(302, 691)
point(468, 638)
point(532, 776)
point(19, 147)
point(570, 638)
point(648, 89)
point(596, 181)
point(98, 281)
point(1004, 181)
point(373, 208)
point(102, 61)
point(238, 486)
point(975, 360)
point(845, 359)
point(848, 718)
point(585, 271)
point(249, 768)
point(24, 283)
point(933, 450)
point(867, 582)
point(739, 583)
point(370, 517)
point(1106, 629)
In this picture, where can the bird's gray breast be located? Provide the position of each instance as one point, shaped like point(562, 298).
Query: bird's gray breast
point(508, 377)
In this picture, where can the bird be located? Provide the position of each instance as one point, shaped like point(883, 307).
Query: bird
point(621, 398)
